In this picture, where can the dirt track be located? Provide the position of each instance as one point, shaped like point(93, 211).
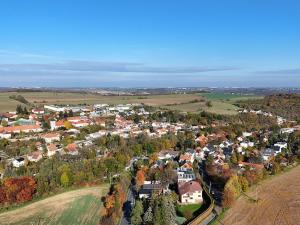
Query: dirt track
point(279, 203)
point(52, 206)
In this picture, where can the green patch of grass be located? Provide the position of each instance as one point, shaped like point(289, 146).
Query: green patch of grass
point(191, 209)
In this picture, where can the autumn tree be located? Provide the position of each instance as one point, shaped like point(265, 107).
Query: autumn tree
point(68, 125)
point(228, 198)
point(140, 178)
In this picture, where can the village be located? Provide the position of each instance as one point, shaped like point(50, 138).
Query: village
point(199, 167)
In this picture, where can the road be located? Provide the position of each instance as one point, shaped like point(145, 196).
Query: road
point(214, 191)
point(214, 187)
point(127, 208)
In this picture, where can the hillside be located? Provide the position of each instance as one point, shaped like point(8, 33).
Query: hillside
point(286, 105)
point(279, 202)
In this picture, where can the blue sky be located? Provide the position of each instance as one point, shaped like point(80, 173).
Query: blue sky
point(157, 43)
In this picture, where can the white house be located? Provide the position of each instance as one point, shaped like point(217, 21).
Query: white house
point(18, 162)
point(190, 193)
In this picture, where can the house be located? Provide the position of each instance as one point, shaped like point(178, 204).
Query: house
point(267, 153)
point(167, 154)
point(252, 166)
point(81, 123)
point(186, 157)
point(247, 134)
point(202, 140)
point(72, 149)
point(51, 137)
point(99, 121)
point(187, 166)
point(56, 124)
point(96, 135)
point(5, 135)
point(185, 176)
point(19, 129)
point(279, 146)
point(34, 156)
point(190, 192)
point(199, 154)
point(20, 161)
point(38, 111)
point(147, 190)
point(51, 149)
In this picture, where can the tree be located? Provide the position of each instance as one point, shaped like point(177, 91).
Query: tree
point(228, 198)
point(208, 104)
point(168, 176)
point(148, 216)
point(64, 179)
point(136, 215)
point(243, 183)
point(275, 168)
point(168, 210)
point(140, 177)
point(4, 123)
point(19, 109)
point(68, 125)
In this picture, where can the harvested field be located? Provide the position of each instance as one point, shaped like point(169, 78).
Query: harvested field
point(74, 207)
point(221, 104)
point(279, 203)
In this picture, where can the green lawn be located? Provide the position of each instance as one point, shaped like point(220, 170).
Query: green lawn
point(191, 209)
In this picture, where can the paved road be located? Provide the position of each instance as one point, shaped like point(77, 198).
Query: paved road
point(127, 208)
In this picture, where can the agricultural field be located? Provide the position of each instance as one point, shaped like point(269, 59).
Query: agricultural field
point(222, 104)
point(74, 207)
point(278, 202)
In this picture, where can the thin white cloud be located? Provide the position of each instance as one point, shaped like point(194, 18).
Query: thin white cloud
point(120, 67)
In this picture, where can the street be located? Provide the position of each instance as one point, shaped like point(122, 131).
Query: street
point(127, 208)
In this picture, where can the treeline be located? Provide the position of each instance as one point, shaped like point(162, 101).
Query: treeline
point(19, 98)
point(114, 200)
point(285, 105)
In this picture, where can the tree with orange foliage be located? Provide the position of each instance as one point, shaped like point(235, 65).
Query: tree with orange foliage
point(109, 201)
point(140, 177)
point(17, 190)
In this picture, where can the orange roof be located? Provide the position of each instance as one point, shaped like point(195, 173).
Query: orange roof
point(19, 128)
point(51, 147)
point(74, 118)
point(72, 147)
point(59, 123)
point(185, 157)
point(187, 166)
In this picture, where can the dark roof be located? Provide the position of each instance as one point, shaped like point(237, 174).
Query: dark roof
point(189, 187)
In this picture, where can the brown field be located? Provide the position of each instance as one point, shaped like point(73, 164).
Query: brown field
point(179, 102)
point(74, 207)
point(279, 203)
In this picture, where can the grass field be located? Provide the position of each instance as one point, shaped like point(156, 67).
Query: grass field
point(279, 202)
point(222, 104)
point(74, 207)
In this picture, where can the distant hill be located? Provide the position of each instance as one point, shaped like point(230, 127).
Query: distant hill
point(285, 105)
